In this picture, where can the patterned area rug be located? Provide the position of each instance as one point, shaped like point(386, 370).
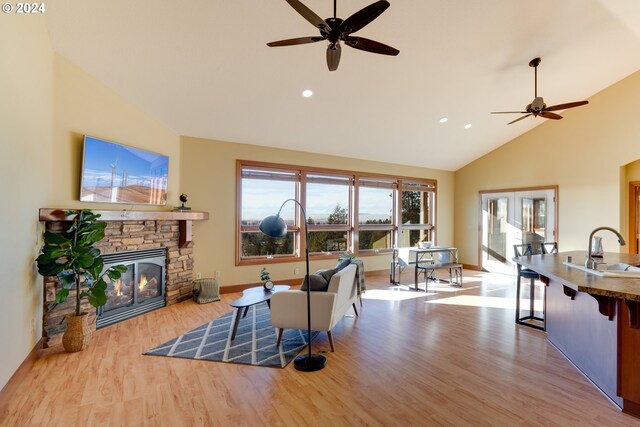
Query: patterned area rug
point(255, 342)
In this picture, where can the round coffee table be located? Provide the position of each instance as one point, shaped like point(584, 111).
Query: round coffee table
point(252, 296)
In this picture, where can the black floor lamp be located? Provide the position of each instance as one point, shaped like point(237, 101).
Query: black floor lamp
point(275, 226)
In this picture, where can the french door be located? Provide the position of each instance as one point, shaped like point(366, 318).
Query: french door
point(514, 217)
point(634, 217)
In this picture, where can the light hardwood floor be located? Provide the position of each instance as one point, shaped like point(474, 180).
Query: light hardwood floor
point(452, 357)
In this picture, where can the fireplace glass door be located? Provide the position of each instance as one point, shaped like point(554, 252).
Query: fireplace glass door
point(149, 281)
point(120, 291)
point(139, 290)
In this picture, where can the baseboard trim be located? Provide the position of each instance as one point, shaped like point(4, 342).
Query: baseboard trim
point(11, 388)
point(471, 267)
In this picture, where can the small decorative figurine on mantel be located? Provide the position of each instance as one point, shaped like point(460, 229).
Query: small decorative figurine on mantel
point(183, 199)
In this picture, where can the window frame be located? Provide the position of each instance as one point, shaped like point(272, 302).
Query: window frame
point(295, 228)
point(392, 227)
point(348, 227)
point(352, 228)
point(429, 226)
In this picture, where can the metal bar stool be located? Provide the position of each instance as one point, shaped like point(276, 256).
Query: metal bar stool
point(529, 319)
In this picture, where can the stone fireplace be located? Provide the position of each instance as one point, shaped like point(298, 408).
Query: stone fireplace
point(157, 234)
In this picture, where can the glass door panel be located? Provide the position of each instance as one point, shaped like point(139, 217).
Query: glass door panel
point(497, 219)
point(516, 217)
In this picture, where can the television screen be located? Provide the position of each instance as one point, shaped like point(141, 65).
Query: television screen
point(116, 173)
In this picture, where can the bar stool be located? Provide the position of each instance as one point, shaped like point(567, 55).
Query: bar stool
point(530, 319)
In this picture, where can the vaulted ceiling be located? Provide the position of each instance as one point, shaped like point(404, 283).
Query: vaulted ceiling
point(202, 67)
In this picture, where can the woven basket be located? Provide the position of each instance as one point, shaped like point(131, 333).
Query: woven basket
point(206, 290)
point(78, 333)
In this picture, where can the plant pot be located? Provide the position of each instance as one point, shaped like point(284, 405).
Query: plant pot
point(78, 333)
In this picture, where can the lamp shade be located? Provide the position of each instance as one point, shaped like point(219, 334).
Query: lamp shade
point(273, 226)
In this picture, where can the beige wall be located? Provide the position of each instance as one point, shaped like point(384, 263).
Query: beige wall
point(209, 178)
point(46, 107)
point(82, 105)
point(26, 120)
point(585, 154)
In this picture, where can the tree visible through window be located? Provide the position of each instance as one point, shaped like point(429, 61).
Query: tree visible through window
point(417, 215)
point(391, 211)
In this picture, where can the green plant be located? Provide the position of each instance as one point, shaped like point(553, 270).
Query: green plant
point(264, 274)
point(71, 257)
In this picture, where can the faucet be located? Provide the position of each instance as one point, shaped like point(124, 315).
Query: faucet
point(591, 263)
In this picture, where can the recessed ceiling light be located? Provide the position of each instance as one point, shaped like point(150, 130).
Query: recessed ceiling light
point(468, 125)
point(444, 120)
point(307, 93)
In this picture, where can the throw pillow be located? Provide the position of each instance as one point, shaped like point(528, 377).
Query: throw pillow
point(316, 283)
point(330, 272)
point(342, 264)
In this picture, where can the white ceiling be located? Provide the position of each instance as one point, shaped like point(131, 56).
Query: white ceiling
point(203, 68)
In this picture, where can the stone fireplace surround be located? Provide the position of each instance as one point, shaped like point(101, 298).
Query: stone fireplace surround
point(127, 231)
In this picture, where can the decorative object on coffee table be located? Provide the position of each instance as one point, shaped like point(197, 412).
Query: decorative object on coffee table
point(275, 226)
point(72, 258)
point(206, 290)
point(266, 278)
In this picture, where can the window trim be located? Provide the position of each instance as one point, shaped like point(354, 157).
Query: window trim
point(353, 227)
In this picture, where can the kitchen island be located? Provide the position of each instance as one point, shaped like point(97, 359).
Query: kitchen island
point(594, 322)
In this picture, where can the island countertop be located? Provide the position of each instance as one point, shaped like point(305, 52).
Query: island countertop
point(553, 267)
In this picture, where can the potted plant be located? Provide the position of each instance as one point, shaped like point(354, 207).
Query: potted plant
point(266, 279)
point(73, 259)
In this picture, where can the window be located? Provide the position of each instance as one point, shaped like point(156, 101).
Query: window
point(342, 208)
point(418, 198)
point(375, 214)
point(328, 206)
point(261, 194)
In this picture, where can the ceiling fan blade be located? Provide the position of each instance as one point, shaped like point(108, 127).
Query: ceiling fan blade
point(565, 106)
point(363, 17)
point(552, 116)
point(292, 42)
point(518, 119)
point(370, 46)
point(509, 112)
point(333, 56)
point(309, 15)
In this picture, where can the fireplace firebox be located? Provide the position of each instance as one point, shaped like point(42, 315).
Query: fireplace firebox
point(139, 290)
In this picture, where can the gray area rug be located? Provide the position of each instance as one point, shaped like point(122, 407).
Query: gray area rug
point(255, 342)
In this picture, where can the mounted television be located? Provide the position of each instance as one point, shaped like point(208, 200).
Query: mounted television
point(116, 173)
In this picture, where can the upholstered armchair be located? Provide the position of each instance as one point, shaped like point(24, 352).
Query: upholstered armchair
point(289, 308)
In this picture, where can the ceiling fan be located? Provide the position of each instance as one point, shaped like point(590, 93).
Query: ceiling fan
point(335, 30)
point(538, 107)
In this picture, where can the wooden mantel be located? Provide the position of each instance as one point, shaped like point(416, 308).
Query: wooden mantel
point(185, 218)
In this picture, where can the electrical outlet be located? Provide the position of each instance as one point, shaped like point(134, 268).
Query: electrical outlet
point(33, 326)
point(198, 275)
point(217, 275)
point(296, 271)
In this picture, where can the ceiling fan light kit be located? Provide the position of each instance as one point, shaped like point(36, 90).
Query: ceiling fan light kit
point(335, 30)
point(537, 106)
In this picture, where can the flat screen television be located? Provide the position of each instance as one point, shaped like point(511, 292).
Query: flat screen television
point(116, 173)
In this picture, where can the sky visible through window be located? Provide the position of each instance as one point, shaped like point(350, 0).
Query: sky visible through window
point(322, 200)
point(375, 204)
point(261, 198)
